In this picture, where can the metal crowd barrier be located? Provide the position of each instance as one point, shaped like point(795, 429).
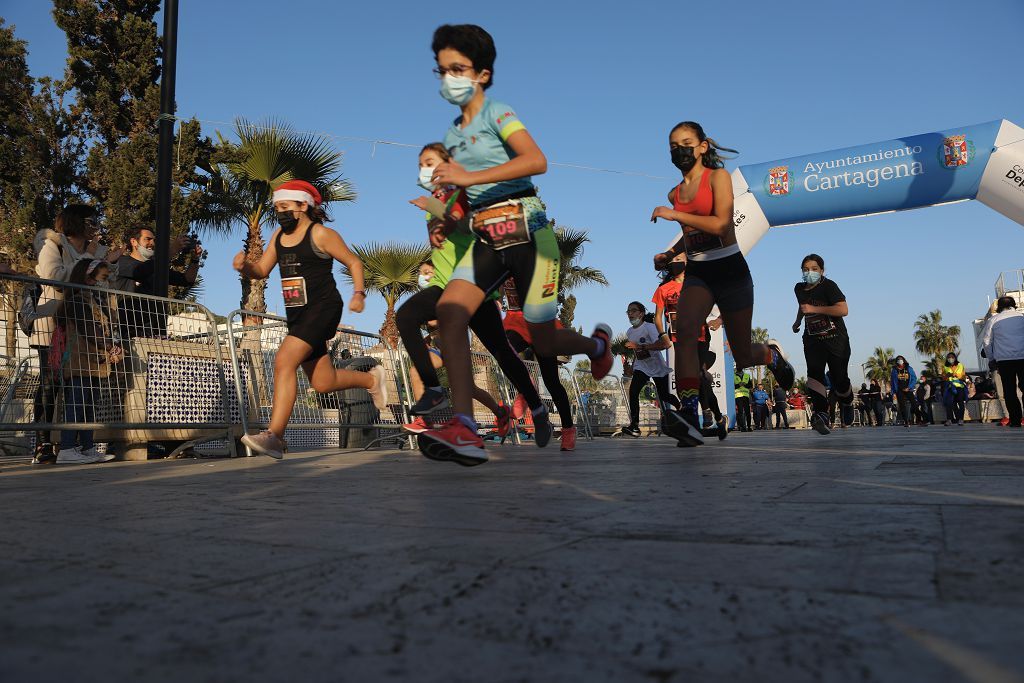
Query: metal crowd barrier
point(604, 405)
point(108, 367)
point(343, 419)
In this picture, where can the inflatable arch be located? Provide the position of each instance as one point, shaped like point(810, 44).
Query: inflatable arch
point(983, 162)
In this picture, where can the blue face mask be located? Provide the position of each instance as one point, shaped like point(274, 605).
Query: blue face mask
point(423, 280)
point(812, 277)
point(458, 90)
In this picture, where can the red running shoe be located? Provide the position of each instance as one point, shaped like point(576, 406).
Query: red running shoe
point(417, 426)
point(503, 421)
point(454, 441)
point(519, 407)
point(602, 365)
point(569, 439)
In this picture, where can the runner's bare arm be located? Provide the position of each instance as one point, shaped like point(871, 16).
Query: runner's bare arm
point(262, 268)
point(330, 242)
point(528, 161)
point(659, 319)
point(799, 318)
point(720, 221)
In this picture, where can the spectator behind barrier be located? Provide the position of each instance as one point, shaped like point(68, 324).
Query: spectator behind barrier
point(139, 317)
point(1002, 342)
point(57, 251)
point(90, 348)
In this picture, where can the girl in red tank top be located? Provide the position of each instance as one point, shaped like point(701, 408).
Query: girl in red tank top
point(716, 273)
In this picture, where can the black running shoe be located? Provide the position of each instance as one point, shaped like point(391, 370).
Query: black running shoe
point(630, 431)
point(780, 367)
point(722, 428)
point(45, 453)
point(819, 423)
point(431, 400)
point(683, 427)
point(542, 429)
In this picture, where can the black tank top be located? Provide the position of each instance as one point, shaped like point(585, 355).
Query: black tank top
point(306, 277)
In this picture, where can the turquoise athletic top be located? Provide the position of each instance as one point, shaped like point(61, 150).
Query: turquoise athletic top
point(483, 144)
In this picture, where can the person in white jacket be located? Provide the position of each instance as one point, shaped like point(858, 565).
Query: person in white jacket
point(57, 251)
point(1002, 342)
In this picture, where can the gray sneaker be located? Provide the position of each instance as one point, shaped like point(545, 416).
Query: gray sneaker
point(266, 443)
point(73, 456)
point(100, 457)
point(379, 390)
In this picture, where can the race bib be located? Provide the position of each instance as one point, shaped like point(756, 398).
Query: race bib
point(502, 225)
point(293, 289)
point(819, 325)
point(698, 242)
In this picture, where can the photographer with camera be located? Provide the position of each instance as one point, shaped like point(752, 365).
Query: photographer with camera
point(141, 318)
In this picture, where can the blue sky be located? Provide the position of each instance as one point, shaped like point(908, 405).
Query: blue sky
point(599, 85)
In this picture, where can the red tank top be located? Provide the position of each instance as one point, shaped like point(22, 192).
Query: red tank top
point(702, 204)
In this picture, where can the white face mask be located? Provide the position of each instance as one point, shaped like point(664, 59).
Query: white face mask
point(458, 90)
point(146, 253)
point(424, 181)
point(636, 322)
point(424, 281)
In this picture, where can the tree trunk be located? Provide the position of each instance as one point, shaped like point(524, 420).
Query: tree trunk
point(253, 291)
point(389, 330)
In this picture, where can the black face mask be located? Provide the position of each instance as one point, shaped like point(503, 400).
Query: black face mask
point(683, 158)
point(287, 220)
point(676, 268)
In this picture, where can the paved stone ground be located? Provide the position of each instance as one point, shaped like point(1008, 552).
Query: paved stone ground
point(869, 555)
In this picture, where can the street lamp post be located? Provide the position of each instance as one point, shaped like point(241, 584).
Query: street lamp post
point(162, 263)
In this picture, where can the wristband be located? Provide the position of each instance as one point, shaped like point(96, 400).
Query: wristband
point(359, 291)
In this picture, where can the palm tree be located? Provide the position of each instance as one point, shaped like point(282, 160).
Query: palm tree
point(246, 173)
point(759, 335)
point(390, 270)
point(879, 365)
point(571, 272)
point(932, 338)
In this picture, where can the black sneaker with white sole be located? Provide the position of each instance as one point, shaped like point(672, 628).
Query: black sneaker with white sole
point(819, 423)
point(430, 401)
point(542, 429)
point(682, 427)
point(630, 431)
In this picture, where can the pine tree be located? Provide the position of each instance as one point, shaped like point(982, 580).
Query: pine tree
point(114, 69)
point(40, 151)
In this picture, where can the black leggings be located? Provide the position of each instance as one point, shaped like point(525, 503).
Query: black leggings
point(549, 373)
point(45, 395)
point(835, 353)
point(708, 400)
point(637, 384)
point(1011, 374)
point(421, 308)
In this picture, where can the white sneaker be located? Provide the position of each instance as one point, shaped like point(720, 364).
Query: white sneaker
point(379, 390)
point(73, 456)
point(100, 457)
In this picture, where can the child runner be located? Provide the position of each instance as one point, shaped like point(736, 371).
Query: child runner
point(493, 157)
point(716, 272)
point(306, 251)
point(420, 309)
point(822, 307)
point(518, 333)
point(502, 416)
point(665, 299)
point(649, 364)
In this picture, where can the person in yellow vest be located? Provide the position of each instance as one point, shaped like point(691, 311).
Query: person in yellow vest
point(743, 384)
point(954, 389)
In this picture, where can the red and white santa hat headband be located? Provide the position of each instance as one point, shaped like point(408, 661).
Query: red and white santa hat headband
point(297, 191)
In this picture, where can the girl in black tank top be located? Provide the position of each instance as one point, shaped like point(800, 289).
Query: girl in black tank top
point(313, 308)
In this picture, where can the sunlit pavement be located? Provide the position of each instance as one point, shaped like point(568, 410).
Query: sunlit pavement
point(870, 554)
